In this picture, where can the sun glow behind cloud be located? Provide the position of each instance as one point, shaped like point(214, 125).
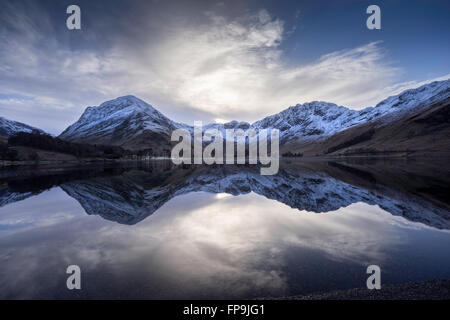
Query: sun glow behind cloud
point(221, 68)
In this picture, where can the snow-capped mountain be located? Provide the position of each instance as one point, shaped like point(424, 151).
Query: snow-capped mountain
point(10, 127)
point(134, 124)
point(317, 120)
point(121, 121)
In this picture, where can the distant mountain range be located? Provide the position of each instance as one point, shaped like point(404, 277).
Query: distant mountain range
point(415, 120)
point(308, 128)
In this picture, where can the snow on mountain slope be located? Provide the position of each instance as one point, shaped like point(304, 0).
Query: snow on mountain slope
point(118, 121)
point(129, 121)
point(10, 127)
point(317, 120)
point(309, 121)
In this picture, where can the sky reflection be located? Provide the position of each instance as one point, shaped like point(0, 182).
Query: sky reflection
point(203, 245)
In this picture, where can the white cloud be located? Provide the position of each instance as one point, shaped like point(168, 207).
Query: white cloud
point(223, 69)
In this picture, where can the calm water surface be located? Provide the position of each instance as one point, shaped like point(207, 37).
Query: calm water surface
point(213, 233)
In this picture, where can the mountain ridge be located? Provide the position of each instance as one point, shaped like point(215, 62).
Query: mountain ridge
point(128, 117)
point(132, 123)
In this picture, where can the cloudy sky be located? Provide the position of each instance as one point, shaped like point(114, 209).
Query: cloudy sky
point(213, 60)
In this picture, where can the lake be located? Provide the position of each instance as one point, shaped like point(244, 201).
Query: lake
point(154, 231)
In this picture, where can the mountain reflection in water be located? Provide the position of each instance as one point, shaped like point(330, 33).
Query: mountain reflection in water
point(128, 195)
point(215, 231)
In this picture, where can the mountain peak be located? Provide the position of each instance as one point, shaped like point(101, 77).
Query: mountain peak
point(117, 120)
point(126, 100)
point(121, 103)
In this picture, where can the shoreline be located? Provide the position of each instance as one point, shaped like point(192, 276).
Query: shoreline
point(13, 163)
point(423, 290)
